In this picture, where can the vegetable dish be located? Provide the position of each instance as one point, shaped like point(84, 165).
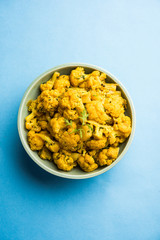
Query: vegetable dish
point(78, 120)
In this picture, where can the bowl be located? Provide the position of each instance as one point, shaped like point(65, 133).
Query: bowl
point(33, 91)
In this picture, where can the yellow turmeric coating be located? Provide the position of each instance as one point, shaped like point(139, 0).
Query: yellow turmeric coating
point(50, 83)
point(45, 153)
point(78, 119)
point(107, 156)
point(35, 142)
point(87, 163)
point(64, 161)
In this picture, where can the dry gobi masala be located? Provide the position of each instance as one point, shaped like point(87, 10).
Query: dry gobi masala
point(78, 119)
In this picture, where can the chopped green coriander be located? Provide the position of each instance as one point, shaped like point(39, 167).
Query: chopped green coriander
point(84, 116)
point(68, 123)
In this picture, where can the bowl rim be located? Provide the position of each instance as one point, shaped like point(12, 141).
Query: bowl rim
point(30, 152)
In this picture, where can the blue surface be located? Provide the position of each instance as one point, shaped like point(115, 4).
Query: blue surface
point(122, 37)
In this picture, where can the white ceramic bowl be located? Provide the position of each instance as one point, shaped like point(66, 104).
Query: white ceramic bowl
point(33, 91)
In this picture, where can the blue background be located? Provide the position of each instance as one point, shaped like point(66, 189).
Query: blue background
point(122, 37)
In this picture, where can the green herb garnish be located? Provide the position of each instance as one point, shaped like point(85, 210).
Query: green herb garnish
point(80, 130)
point(84, 116)
point(68, 123)
point(89, 126)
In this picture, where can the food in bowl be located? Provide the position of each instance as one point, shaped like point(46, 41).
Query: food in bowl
point(78, 119)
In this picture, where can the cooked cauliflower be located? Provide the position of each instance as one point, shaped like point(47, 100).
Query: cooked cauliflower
point(86, 132)
point(114, 105)
point(31, 121)
point(45, 154)
point(52, 145)
point(109, 88)
point(123, 124)
point(107, 156)
point(87, 163)
point(64, 161)
point(75, 156)
point(77, 76)
point(72, 100)
point(113, 152)
point(97, 113)
point(70, 114)
point(33, 124)
point(69, 141)
point(48, 101)
point(98, 133)
point(94, 80)
point(62, 82)
point(97, 95)
point(57, 124)
point(50, 83)
point(35, 141)
point(78, 118)
point(43, 124)
point(97, 144)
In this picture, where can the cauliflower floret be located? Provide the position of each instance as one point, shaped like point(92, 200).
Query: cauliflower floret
point(112, 153)
point(32, 105)
point(93, 153)
point(114, 105)
point(86, 132)
point(100, 130)
point(97, 95)
point(97, 144)
point(45, 154)
point(107, 156)
point(57, 124)
point(98, 133)
point(52, 145)
point(94, 81)
point(62, 82)
point(87, 163)
point(75, 156)
point(32, 124)
point(50, 83)
point(80, 147)
point(35, 141)
point(43, 124)
point(48, 101)
point(115, 137)
point(112, 137)
point(103, 76)
point(70, 114)
point(103, 158)
point(97, 113)
point(64, 161)
point(108, 87)
point(77, 76)
point(69, 141)
point(72, 100)
point(123, 124)
point(43, 121)
point(86, 96)
point(28, 119)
